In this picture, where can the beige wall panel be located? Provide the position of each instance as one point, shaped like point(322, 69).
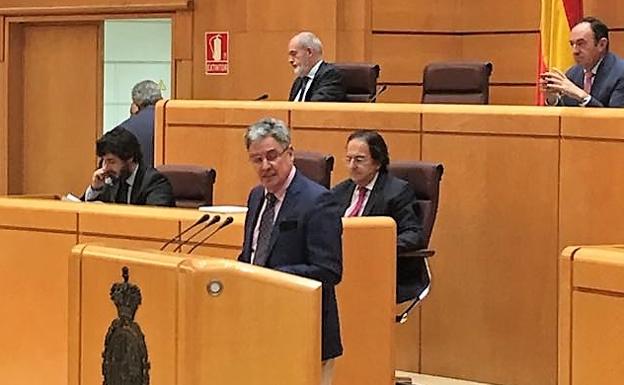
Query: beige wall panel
point(27, 214)
point(354, 116)
point(183, 35)
point(403, 57)
point(60, 62)
point(284, 15)
point(513, 95)
point(415, 15)
point(14, 108)
point(592, 186)
point(598, 321)
point(493, 15)
point(617, 42)
point(401, 94)
point(33, 291)
point(496, 248)
point(514, 56)
point(609, 11)
point(596, 123)
point(221, 148)
point(407, 339)
point(183, 79)
point(353, 15)
point(491, 119)
point(2, 42)
point(353, 46)
point(564, 328)
point(47, 6)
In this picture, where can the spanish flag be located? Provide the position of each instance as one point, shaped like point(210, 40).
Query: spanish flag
point(557, 18)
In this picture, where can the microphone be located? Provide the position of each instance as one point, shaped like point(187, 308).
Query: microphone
point(262, 97)
point(379, 92)
point(214, 220)
point(201, 220)
point(226, 222)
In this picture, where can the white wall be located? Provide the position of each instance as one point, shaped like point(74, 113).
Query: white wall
point(134, 50)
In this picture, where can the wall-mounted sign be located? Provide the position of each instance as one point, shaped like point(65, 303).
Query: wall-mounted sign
point(217, 47)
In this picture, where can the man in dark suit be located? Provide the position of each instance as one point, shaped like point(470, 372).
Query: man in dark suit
point(293, 225)
point(122, 177)
point(597, 79)
point(145, 94)
point(316, 81)
point(371, 191)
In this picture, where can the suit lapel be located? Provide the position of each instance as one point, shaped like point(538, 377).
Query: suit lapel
point(346, 197)
point(375, 195)
point(601, 73)
point(315, 80)
point(137, 184)
point(294, 89)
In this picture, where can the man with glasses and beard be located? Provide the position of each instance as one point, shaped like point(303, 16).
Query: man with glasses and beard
point(122, 177)
point(293, 225)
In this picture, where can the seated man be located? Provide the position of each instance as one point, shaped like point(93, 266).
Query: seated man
point(597, 79)
point(293, 225)
point(122, 176)
point(371, 191)
point(317, 81)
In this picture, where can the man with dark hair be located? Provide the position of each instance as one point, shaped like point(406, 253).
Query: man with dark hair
point(316, 81)
point(293, 225)
point(371, 191)
point(597, 79)
point(145, 94)
point(122, 177)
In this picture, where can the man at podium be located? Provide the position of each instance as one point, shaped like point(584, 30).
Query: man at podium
point(293, 225)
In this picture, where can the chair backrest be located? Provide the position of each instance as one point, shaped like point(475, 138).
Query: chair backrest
point(360, 80)
point(424, 178)
point(192, 185)
point(316, 166)
point(457, 82)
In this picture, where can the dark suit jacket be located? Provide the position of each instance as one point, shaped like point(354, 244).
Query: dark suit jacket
point(608, 87)
point(141, 125)
point(393, 197)
point(326, 86)
point(306, 241)
point(150, 188)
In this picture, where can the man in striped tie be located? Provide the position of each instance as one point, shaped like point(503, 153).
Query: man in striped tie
point(293, 225)
point(371, 191)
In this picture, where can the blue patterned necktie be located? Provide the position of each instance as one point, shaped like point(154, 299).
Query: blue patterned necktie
point(264, 234)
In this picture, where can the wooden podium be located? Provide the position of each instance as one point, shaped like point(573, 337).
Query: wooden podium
point(204, 321)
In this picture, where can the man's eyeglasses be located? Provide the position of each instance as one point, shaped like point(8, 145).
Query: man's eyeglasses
point(357, 159)
point(270, 156)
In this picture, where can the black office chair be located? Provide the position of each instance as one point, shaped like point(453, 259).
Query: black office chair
point(424, 178)
point(316, 166)
point(457, 82)
point(192, 185)
point(360, 81)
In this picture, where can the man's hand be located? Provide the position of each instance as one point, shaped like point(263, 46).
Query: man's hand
point(97, 180)
point(555, 82)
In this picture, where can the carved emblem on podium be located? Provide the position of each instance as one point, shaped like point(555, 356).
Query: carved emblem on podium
point(125, 360)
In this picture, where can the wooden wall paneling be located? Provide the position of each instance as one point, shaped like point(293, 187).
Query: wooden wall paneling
point(353, 25)
point(183, 70)
point(306, 15)
point(407, 341)
point(512, 120)
point(564, 326)
point(401, 94)
point(415, 15)
point(514, 56)
point(182, 35)
point(496, 246)
point(60, 63)
point(58, 7)
point(609, 11)
point(403, 57)
point(592, 185)
point(493, 15)
point(15, 110)
point(3, 111)
point(2, 42)
point(605, 123)
point(513, 95)
point(616, 44)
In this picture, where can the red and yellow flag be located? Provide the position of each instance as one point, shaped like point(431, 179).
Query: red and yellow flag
point(557, 18)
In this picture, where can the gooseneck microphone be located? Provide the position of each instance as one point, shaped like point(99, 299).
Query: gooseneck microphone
point(201, 220)
point(214, 220)
point(379, 92)
point(226, 222)
point(262, 97)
